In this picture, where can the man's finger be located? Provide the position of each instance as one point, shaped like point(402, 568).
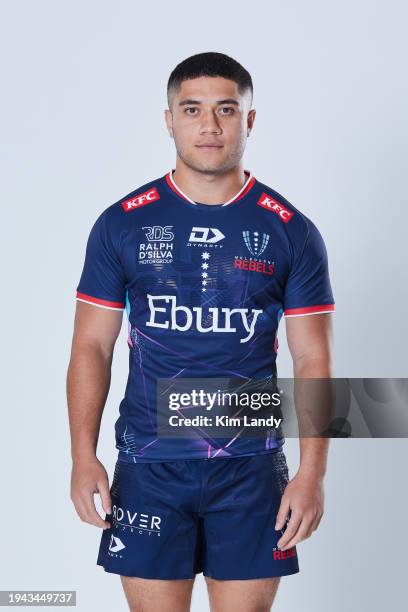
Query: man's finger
point(291, 529)
point(300, 535)
point(316, 522)
point(103, 488)
point(283, 513)
point(91, 515)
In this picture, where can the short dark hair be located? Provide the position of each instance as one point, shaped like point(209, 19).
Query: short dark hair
point(211, 64)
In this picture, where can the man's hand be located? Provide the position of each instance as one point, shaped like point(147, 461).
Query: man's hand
point(304, 496)
point(90, 477)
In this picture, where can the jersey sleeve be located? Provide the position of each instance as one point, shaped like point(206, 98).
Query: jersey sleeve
point(102, 281)
point(308, 288)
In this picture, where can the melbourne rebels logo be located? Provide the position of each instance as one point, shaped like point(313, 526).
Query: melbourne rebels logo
point(281, 555)
point(258, 245)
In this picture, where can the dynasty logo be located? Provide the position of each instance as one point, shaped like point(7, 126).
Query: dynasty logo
point(205, 237)
point(115, 546)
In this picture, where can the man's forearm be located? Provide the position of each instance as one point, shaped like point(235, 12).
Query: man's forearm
point(88, 382)
point(309, 397)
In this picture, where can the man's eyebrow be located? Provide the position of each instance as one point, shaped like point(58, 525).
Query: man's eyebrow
point(191, 101)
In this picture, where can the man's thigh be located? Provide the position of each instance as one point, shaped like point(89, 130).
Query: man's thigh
point(244, 595)
point(241, 502)
point(148, 595)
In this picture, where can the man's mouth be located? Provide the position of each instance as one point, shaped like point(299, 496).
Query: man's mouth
point(209, 146)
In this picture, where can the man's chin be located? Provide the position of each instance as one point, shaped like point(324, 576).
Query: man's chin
point(208, 167)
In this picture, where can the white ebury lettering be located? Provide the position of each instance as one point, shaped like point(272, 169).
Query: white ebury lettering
point(216, 316)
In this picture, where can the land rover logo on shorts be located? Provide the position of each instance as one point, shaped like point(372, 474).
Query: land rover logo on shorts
point(159, 246)
point(134, 521)
point(255, 244)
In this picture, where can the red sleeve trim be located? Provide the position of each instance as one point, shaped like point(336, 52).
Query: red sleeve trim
point(83, 297)
point(291, 312)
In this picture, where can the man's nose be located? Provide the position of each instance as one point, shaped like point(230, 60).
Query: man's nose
point(209, 123)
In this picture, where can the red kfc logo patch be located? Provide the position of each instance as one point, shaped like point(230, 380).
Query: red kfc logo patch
point(147, 197)
point(270, 203)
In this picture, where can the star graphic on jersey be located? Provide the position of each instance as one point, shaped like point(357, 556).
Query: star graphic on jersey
point(204, 274)
point(204, 266)
point(203, 289)
point(204, 282)
point(205, 255)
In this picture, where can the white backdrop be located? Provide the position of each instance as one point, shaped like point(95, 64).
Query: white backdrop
point(82, 107)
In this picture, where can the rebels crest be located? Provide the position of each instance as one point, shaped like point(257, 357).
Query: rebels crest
point(254, 246)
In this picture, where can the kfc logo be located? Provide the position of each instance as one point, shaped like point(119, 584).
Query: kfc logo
point(141, 200)
point(271, 204)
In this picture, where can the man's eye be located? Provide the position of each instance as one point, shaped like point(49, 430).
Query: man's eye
point(190, 109)
point(229, 110)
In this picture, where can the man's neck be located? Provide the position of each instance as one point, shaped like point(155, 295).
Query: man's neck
point(209, 188)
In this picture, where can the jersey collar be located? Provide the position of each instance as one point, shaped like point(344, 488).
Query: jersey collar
point(246, 187)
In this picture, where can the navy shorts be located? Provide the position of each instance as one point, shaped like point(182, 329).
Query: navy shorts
point(175, 519)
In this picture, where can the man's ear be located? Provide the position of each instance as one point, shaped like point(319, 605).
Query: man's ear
point(251, 119)
point(168, 119)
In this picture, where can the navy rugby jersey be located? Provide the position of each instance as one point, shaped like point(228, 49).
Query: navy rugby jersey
point(204, 287)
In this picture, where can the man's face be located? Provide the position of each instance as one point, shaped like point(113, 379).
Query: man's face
point(210, 122)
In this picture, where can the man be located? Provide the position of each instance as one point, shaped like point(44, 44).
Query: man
point(206, 260)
